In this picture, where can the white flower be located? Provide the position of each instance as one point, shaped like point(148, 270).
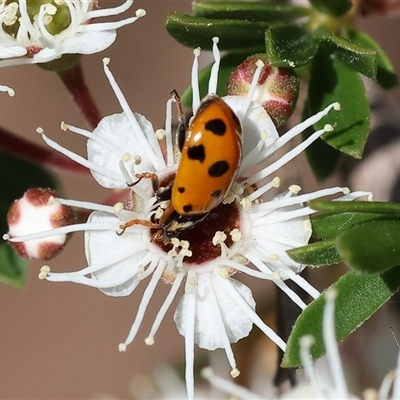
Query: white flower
point(245, 234)
point(35, 32)
point(325, 378)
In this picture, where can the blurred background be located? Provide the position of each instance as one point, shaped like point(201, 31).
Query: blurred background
point(61, 340)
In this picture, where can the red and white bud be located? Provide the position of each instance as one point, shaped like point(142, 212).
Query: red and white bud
point(277, 88)
point(38, 211)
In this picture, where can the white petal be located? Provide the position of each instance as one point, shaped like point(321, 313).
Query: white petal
point(236, 322)
point(12, 51)
point(124, 247)
point(84, 43)
point(256, 122)
point(117, 130)
point(281, 234)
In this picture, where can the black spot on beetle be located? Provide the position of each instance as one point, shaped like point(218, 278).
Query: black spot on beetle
point(218, 169)
point(181, 189)
point(187, 208)
point(216, 126)
point(197, 153)
point(216, 193)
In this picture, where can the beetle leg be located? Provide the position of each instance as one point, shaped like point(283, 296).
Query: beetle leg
point(132, 222)
point(147, 175)
point(181, 131)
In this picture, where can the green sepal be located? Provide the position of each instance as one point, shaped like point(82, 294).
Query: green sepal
point(386, 75)
point(329, 226)
point(13, 269)
point(65, 63)
point(359, 297)
point(228, 64)
point(289, 46)
point(371, 247)
point(380, 207)
point(198, 31)
point(317, 254)
point(333, 81)
point(362, 59)
point(253, 11)
point(335, 8)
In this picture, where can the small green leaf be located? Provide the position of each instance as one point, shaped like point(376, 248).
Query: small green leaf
point(233, 34)
point(254, 11)
point(328, 226)
point(386, 75)
point(320, 253)
point(359, 296)
point(335, 8)
point(371, 247)
point(362, 59)
point(332, 80)
point(13, 269)
point(289, 46)
point(381, 207)
point(227, 65)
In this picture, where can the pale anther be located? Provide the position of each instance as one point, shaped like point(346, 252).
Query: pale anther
point(370, 197)
point(336, 106)
point(215, 39)
point(307, 341)
point(346, 190)
point(149, 341)
point(122, 347)
point(137, 160)
point(184, 244)
point(223, 273)
point(245, 203)
point(50, 9)
point(51, 201)
point(235, 373)
point(207, 373)
point(118, 207)
point(264, 135)
point(11, 92)
point(276, 182)
point(159, 213)
point(236, 235)
point(160, 134)
point(237, 188)
point(6, 236)
point(295, 189)
point(277, 276)
point(328, 128)
point(331, 294)
point(39, 130)
point(140, 12)
point(106, 60)
point(273, 257)
point(44, 272)
point(218, 238)
point(197, 51)
point(63, 126)
point(260, 63)
point(126, 157)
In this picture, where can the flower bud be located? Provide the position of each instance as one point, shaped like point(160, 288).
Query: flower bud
point(38, 211)
point(277, 89)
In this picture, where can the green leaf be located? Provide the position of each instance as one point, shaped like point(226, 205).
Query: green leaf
point(371, 247)
point(254, 11)
point(359, 296)
point(328, 226)
point(228, 64)
point(320, 253)
point(332, 80)
point(13, 269)
point(362, 59)
point(381, 207)
point(386, 75)
point(289, 46)
point(335, 8)
point(233, 34)
point(20, 175)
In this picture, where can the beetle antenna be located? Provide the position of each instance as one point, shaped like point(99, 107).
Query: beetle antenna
point(181, 131)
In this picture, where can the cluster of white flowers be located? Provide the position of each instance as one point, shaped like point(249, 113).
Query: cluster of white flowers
point(325, 378)
point(247, 233)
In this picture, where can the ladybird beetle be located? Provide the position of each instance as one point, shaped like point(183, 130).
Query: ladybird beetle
point(211, 152)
